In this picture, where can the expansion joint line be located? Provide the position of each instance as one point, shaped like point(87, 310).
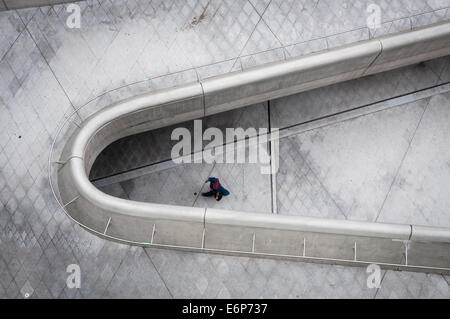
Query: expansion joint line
point(203, 96)
point(74, 156)
point(49, 67)
point(153, 234)
point(67, 160)
point(107, 226)
point(60, 162)
point(204, 219)
point(403, 159)
point(203, 238)
point(159, 274)
point(71, 201)
point(374, 60)
point(273, 175)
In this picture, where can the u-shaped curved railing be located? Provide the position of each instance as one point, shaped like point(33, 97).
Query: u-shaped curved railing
point(233, 232)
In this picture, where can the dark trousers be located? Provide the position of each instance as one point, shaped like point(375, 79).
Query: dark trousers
point(212, 192)
point(208, 194)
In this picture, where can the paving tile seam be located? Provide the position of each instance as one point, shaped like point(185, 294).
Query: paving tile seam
point(402, 160)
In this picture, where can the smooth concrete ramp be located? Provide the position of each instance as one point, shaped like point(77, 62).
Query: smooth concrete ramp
point(401, 246)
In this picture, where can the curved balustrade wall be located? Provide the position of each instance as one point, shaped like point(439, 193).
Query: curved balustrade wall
point(339, 241)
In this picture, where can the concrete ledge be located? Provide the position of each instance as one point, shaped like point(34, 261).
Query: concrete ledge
point(430, 234)
point(311, 224)
point(412, 47)
point(277, 79)
point(337, 241)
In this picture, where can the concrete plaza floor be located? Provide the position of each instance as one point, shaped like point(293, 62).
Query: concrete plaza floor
point(127, 47)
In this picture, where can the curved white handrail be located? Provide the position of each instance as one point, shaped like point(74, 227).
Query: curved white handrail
point(85, 202)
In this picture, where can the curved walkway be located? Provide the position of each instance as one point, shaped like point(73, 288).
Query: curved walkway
point(211, 229)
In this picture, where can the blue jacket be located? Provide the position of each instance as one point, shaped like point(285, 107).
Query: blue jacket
point(222, 190)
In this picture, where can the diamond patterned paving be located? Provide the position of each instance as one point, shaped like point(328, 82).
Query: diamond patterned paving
point(47, 69)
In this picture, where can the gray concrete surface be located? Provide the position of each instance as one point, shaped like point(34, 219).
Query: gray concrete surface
point(354, 162)
point(419, 191)
point(47, 69)
point(182, 185)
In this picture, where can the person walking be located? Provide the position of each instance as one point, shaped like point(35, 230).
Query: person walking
point(216, 189)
